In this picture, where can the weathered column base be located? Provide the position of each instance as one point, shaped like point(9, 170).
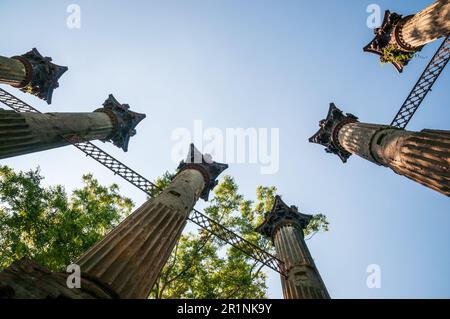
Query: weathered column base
point(300, 284)
point(25, 279)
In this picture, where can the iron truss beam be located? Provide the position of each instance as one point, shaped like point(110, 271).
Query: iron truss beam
point(118, 168)
point(423, 85)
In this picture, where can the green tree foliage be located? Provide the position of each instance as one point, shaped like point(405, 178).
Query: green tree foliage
point(48, 226)
point(202, 266)
point(391, 54)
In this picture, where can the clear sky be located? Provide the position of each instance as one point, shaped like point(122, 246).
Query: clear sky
point(260, 64)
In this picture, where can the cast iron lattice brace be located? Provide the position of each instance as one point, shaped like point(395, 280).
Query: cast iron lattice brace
point(146, 186)
point(423, 85)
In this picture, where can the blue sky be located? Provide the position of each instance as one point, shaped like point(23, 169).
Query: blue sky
point(262, 64)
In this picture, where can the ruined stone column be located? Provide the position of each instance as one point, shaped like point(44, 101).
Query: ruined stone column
point(23, 133)
point(130, 258)
point(399, 38)
point(32, 73)
point(285, 225)
point(422, 156)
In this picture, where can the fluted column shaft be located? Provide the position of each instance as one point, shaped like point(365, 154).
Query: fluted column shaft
point(284, 225)
point(13, 72)
point(421, 156)
point(303, 279)
point(23, 133)
point(130, 258)
point(428, 25)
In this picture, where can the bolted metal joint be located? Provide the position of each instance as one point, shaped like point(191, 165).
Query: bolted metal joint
point(124, 121)
point(41, 75)
point(388, 44)
point(327, 135)
point(282, 214)
point(205, 165)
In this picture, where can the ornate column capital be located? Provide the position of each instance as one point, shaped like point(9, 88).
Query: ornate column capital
point(205, 165)
point(282, 214)
point(388, 43)
point(124, 121)
point(41, 75)
point(327, 135)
